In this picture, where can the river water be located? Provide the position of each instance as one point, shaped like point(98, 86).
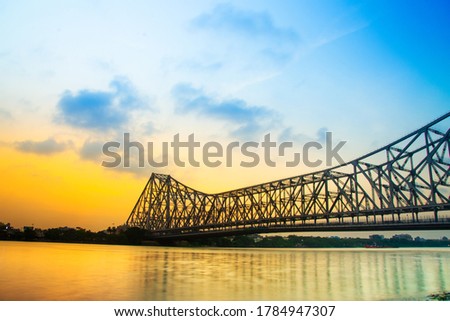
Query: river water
point(57, 271)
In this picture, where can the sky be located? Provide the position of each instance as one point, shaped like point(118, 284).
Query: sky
point(75, 75)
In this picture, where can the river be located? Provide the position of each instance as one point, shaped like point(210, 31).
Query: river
point(57, 271)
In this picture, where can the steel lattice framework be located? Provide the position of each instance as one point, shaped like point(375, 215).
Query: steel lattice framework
point(405, 183)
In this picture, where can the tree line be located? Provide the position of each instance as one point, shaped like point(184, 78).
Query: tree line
point(136, 236)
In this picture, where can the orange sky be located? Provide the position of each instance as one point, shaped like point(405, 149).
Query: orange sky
point(63, 190)
point(60, 190)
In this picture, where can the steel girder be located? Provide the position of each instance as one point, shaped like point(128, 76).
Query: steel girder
point(390, 185)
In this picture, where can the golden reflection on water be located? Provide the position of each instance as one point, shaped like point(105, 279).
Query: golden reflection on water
point(54, 271)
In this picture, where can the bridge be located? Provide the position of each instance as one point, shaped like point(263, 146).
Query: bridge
point(402, 186)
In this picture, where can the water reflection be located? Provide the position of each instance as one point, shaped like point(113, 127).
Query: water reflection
point(45, 271)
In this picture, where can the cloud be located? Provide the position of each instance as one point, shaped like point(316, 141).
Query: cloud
point(46, 147)
point(91, 150)
point(250, 39)
point(4, 114)
point(4, 144)
point(225, 17)
point(100, 110)
point(247, 118)
point(288, 134)
point(322, 134)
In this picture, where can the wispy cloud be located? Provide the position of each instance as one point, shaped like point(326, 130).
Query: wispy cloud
point(4, 114)
point(45, 147)
point(336, 34)
point(100, 110)
point(289, 134)
point(4, 144)
point(248, 119)
point(91, 150)
point(225, 17)
point(272, 43)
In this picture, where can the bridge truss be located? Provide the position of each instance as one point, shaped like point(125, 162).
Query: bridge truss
point(404, 185)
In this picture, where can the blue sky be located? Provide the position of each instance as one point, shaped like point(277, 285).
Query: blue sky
point(75, 74)
point(370, 71)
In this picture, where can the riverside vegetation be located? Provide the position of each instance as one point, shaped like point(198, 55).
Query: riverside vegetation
point(135, 236)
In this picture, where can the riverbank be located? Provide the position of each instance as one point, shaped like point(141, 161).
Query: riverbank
point(295, 241)
point(443, 296)
point(136, 236)
point(124, 235)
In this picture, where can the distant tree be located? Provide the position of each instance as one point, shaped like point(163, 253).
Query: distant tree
point(224, 242)
point(52, 234)
point(404, 237)
point(243, 241)
point(29, 234)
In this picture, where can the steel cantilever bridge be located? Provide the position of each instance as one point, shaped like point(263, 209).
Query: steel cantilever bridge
point(402, 186)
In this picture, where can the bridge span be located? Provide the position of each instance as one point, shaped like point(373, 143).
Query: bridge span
point(402, 186)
